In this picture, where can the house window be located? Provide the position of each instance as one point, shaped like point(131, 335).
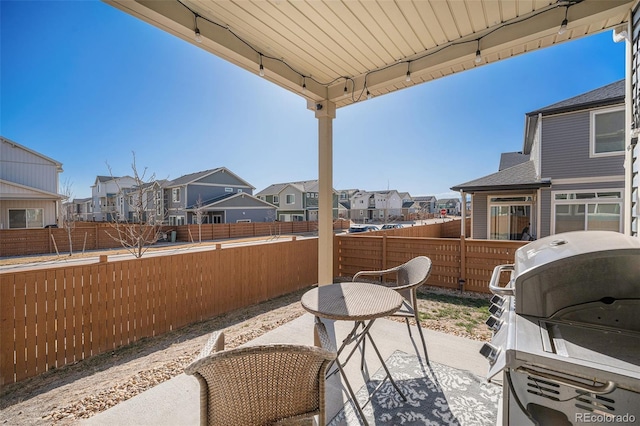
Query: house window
point(607, 132)
point(243, 221)
point(26, 218)
point(175, 195)
point(239, 189)
point(228, 190)
point(290, 198)
point(276, 199)
point(588, 210)
point(176, 220)
point(509, 216)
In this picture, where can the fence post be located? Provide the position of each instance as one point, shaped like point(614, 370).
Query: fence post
point(463, 263)
point(384, 251)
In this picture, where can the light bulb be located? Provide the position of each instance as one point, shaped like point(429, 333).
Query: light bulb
point(304, 87)
point(563, 27)
point(478, 56)
point(369, 95)
point(198, 36)
point(261, 71)
point(408, 78)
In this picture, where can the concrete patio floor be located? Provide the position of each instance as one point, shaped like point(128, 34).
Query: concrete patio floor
point(176, 401)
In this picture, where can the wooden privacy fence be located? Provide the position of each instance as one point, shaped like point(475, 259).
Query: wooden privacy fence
point(95, 236)
point(53, 317)
point(457, 263)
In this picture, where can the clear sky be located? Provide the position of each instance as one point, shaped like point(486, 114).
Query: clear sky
point(87, 84)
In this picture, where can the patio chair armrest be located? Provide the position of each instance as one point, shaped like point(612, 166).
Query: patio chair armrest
point(214, 344)
point(375, 273)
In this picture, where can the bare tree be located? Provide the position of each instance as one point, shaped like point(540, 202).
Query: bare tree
point(198, 209)
point(136, 224)
point(68, 218)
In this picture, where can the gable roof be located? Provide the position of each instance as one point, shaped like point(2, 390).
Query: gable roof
point(44, 157)
point(193, 177)
point(610, 94)
point(520, 176)
point(219, 202)
point(302, 186)
point(510, 159)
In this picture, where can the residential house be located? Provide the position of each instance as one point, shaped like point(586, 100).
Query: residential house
point(569, 175)
point(215, 196)
point(79, 209)
point(376, 206)
point(296, 201)
point(144, 203)
point(106, 193)
point(453, 206)
point(427, 203)
point(29, 182)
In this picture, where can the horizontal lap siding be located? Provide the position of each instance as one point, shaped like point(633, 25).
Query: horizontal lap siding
point(58, 316)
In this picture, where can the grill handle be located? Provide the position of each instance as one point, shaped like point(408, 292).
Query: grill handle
point(603, 389)
point(495, 279)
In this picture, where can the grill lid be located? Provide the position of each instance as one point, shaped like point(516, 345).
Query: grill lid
point(573, 268)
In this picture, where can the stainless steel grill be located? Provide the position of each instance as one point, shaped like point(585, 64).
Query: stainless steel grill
point(567, 331)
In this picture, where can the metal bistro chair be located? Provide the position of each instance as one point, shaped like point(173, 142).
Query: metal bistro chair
point(409, 276)
point(260, 385)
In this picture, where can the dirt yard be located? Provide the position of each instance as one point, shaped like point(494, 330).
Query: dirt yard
point(94, 385)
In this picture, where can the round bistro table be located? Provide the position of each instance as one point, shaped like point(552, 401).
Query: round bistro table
point(362, 303)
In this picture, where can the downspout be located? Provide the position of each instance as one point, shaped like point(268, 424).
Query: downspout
point(627, 217)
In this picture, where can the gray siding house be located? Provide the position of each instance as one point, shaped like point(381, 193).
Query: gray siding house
point(219, 195)
point(569, 175)
point(296, 201)
point(28, 187)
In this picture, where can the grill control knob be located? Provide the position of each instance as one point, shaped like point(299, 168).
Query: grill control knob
point(494, 323)
point(495, 310)
point(497, 300)
point(490, 352)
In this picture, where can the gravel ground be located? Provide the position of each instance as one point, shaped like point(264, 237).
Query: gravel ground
point(81, 390)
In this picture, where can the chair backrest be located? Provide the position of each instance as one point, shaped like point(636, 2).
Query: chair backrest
point(259, 385)
point(415, 272)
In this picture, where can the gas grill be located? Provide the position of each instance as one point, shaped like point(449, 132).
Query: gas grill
point(566, 339)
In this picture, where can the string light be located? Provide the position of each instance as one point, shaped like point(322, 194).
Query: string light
point(304, 84)
point(478, 55)
point(478, 58)
point(261, 67)
point(197, 31)
point(565, 21)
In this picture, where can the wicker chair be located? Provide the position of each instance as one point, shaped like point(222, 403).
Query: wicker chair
point(408, 277)
point(260, 385)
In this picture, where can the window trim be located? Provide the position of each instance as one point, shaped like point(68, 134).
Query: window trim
point(26, 222)
point(293, 199)
point(592, 133)
point(511, 200)
point(586, 202)
point(175, 195)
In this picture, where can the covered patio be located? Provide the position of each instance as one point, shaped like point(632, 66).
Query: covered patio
point(177, 401)
point(334, 54)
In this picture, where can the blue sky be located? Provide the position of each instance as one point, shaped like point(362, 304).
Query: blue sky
point(87, 84)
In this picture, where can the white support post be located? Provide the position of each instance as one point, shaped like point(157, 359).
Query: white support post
point(325, 113)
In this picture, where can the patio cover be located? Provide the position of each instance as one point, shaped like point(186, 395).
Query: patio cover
point(339, 52)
